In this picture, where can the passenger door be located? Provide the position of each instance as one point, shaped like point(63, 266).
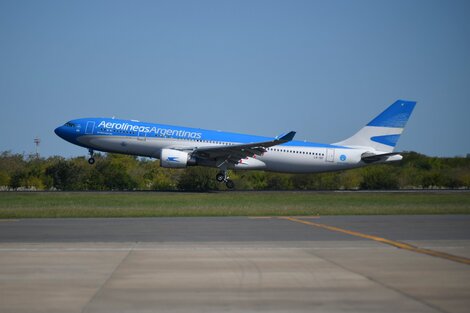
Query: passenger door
point(90, 127)
point(330, 155)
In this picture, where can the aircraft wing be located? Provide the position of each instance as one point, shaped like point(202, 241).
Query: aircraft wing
point(234, 153)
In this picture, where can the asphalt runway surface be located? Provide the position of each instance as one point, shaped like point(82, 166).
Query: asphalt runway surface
point(239, 264)
point(231, 229)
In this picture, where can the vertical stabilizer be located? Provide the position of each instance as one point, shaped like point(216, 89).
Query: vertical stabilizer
point(383, 132)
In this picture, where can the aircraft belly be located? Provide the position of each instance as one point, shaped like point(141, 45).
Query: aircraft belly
point(120, 144)
point(289, 164)
point(301, 164)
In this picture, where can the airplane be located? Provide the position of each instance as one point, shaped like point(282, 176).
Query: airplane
point(180, 147)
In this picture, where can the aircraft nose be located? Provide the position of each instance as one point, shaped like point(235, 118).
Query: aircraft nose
point(59, 131)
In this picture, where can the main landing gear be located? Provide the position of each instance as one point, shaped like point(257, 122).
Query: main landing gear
point(91, 160)
point(222, 177)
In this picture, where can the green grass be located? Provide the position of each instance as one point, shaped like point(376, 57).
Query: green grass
point(147, 204)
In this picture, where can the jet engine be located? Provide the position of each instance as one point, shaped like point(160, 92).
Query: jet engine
point(171, 158)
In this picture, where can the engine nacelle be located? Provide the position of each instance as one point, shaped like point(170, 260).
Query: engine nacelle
point(171, 158)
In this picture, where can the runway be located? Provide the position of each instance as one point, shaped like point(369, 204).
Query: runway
point(231, 229)
point(243, 264)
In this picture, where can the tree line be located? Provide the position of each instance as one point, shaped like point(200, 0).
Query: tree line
point(122, 172)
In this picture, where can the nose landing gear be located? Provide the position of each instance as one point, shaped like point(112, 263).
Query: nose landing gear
point(91, 160)
point(222, 177)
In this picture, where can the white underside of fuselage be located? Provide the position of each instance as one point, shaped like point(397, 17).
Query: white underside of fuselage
point(281, 158)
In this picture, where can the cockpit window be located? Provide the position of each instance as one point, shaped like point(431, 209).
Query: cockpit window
point(68, 124)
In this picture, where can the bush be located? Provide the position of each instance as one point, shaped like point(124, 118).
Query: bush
point(198, 179)
point(65, 175)
point(4, 179)
point(277, 181)
point(379, 177)
point(121, 172)
point(114, 176)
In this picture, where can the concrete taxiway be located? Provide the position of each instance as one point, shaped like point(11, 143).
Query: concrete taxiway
point(236, 264)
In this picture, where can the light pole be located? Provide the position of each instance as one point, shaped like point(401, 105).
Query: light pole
point(37, 141)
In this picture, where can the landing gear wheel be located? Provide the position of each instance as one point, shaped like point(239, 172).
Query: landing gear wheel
point(220, 177)
point(91, 160)
point(229, 183)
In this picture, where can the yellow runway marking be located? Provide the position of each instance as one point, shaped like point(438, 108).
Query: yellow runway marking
point(397, 244)
point(270, 217)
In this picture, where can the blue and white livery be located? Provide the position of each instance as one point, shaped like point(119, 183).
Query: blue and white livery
point(179, 147)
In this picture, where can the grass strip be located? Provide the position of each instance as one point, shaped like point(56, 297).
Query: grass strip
point(162, 204)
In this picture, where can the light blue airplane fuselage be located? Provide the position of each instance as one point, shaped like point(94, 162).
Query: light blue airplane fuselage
point(178, 146)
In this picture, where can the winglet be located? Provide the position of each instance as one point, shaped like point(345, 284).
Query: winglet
point(286, 137)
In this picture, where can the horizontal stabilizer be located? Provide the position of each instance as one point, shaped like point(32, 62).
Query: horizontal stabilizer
point(369, 157)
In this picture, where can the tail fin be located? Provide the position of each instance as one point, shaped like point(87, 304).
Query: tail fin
point(383, 132)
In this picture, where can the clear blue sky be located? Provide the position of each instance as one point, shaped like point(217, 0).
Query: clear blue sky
point(321, 68)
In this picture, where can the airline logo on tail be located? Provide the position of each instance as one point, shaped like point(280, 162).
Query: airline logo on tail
point(383, 132)
point(394, 116)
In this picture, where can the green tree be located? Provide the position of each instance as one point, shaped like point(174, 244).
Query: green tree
point(11, 163)
point(379, 177)
point(113, 176)
point(198, 179)
point(304, 181)
point(328, 181)
point(349, 180)
point(276, 181)
point(121, 172)
point(155, 177)
point(4, 179)
point(257, 180)
point(65, 175)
